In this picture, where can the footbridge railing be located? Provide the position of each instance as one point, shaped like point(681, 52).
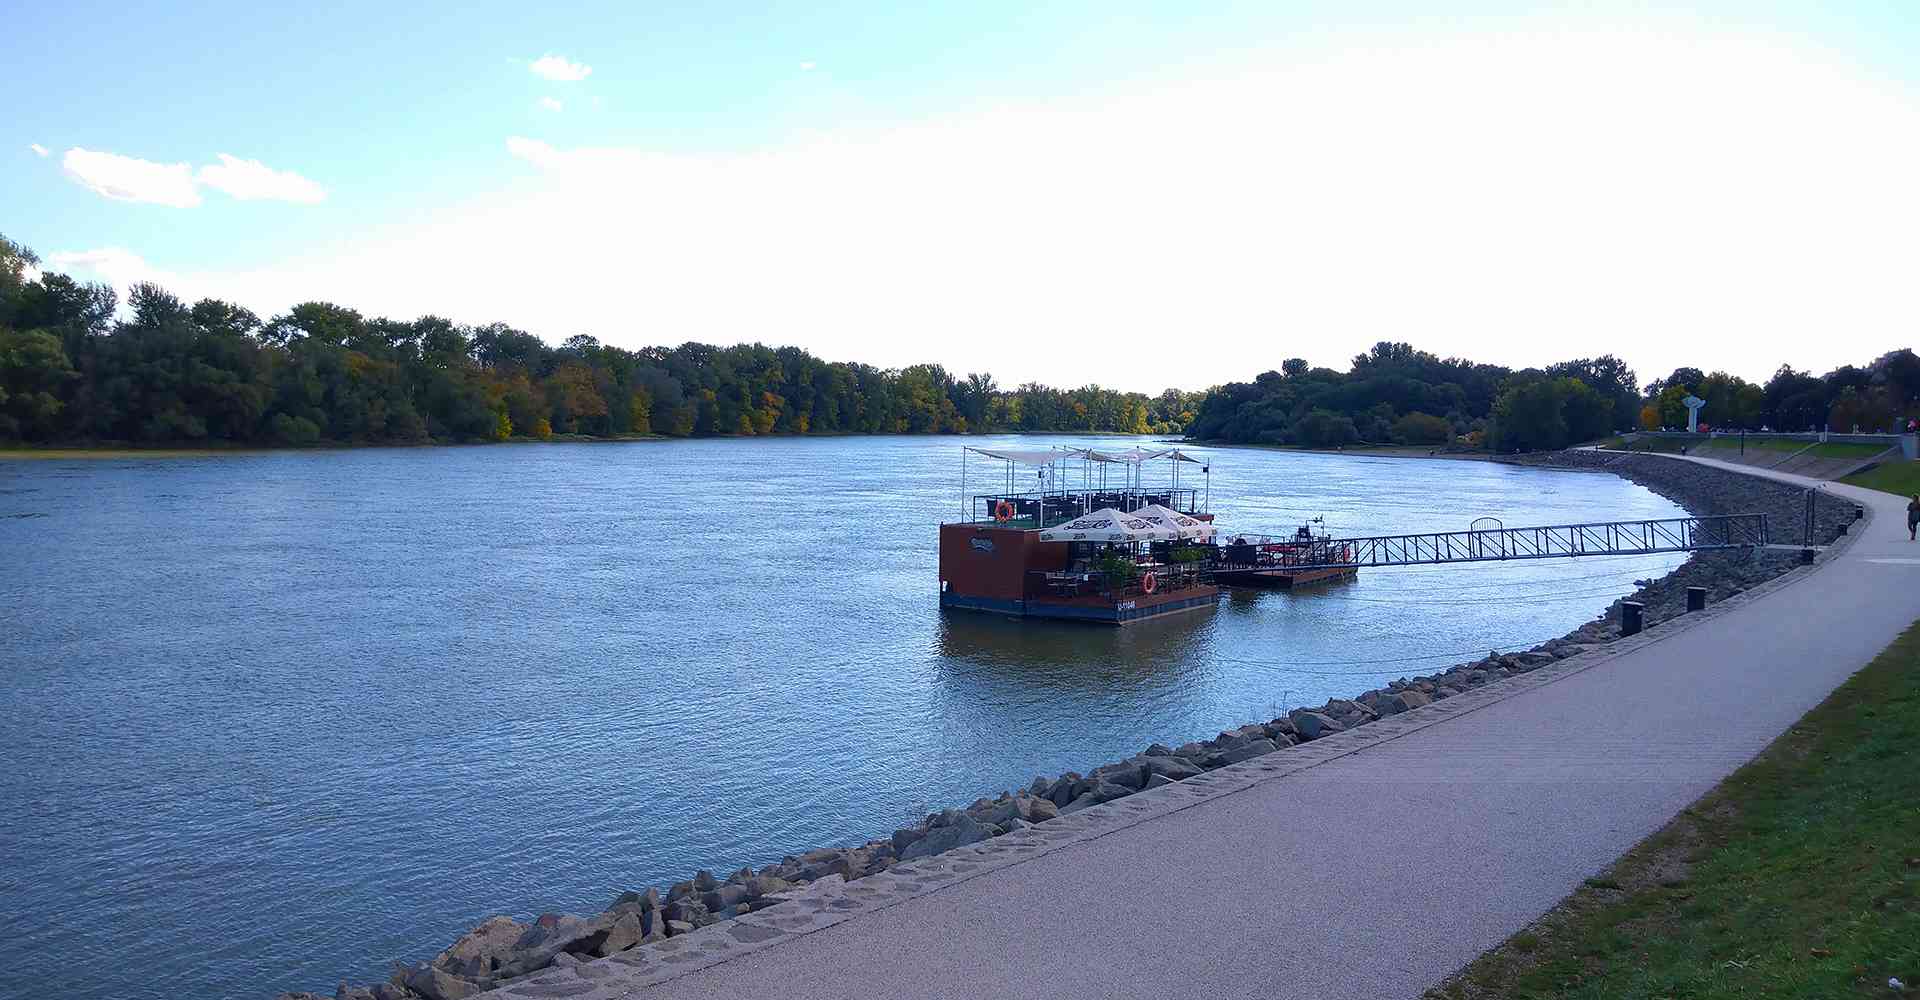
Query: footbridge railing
point(1607, 538)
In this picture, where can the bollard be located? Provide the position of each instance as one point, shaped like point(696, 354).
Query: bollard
point(1630, 612)
point(1806, 557)
point(1859, 512)
point(1844, 526)
point(1696, 598)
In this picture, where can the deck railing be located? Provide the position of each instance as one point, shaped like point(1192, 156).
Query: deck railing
point(1166, 577)
point(1040, 509)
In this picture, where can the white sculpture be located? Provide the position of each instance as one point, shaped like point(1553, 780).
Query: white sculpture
point(1693, 404)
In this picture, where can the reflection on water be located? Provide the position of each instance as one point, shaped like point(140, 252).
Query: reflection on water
point(276, 719)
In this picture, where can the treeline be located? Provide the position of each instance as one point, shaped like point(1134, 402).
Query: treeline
point(1879, 397)
point(1396, 394)
point(213, 372)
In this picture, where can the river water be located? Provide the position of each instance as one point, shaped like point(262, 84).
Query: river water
point(273, 720)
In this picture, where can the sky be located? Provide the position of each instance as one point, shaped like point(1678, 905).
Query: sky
point(1137, 195)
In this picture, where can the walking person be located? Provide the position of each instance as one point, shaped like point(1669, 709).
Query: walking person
point(1913, 517)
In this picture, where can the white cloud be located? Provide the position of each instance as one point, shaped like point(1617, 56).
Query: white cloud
point(38, 150)
point(559, 69)
point(807, 66)
point(114, 265)
point(251, 180)
point(1512, 198)
point(126, 178)
point(551, 104)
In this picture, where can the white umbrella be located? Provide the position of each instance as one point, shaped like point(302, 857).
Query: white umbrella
point(1183, 525)
point(1110, 525)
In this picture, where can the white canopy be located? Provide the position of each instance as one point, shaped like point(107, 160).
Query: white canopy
point(1132, 456)
point(1181, 456)
point(1183, 525)
point(1022, 457)
point(1109, 525)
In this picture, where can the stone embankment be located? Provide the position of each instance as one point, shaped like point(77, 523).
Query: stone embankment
point(502, 951)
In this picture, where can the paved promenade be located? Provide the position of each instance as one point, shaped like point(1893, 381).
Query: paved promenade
point(1372, 867)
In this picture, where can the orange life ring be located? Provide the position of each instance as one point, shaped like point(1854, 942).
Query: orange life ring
point(1003, 511)
point(1149, 582)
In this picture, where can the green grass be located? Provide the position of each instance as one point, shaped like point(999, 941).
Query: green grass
point(1899, 477)
point(1846, 449)
point(1797, 877)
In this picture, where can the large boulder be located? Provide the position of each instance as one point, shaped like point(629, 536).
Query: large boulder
point(1171, 768)
point(1128, 774)
point(767, 885)
point(1022, 807)
point(482, 950)
point(1248, 750)
point(626, 932)
point(726, 897)
point(687, 910)
point(439, 984)
point(1407, 699)
point(554, 934)
point(1313, 725)
point(962, 831)
point(1038, 810)
point(1095, 793)
point(638, 902)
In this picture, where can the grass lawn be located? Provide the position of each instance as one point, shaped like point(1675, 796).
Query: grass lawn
point(1846, 449)
point(1898, 476)
point(1797, 877)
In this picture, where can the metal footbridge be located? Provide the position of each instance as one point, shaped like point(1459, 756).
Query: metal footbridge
point(1498, 544)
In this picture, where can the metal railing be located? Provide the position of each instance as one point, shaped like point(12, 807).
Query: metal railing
point(1039, 509)
point(1166, 577)
point(1608, 538)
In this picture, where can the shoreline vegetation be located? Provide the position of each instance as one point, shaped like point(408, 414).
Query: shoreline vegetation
point(1794, 877)
point(640, 924)
point(79, 366)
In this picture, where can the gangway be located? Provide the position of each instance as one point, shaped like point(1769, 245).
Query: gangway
point(1605, 538)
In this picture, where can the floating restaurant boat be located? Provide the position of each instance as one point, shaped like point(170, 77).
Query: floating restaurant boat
point(1106, 548)
point(1284, 562)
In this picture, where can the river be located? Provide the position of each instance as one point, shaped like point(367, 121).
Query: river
point(276, 719)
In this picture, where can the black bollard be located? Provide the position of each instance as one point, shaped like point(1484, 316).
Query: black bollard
point(1844, 526)
point(1696, 598)
point(1859, 512)
point(1630, 617)
point(1806, 557)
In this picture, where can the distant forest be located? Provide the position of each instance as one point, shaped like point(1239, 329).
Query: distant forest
point(76, 368)
point(1396, 394)
point(213, 372)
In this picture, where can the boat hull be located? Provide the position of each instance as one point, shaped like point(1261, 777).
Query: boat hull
point(1280, 578)
point(1093, 609)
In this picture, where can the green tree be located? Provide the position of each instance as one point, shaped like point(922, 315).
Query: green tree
point(34, 371)
point(1422, 428)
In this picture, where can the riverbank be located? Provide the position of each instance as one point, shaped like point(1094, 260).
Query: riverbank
point(121, 450)
point(1719, 902)
point(644, 921)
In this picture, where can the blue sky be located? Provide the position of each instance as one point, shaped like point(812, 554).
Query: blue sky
point(1133, 194)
